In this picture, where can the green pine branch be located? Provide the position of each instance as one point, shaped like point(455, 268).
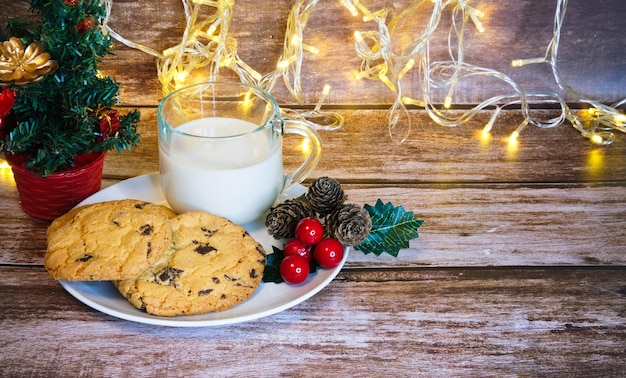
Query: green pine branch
point(58, 116)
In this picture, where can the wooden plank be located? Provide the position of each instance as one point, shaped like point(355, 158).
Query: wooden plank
point(519, 267)
point(465, 225)
point(590, 62)
point(362, 151)
point(504, 225)
point(432, 322)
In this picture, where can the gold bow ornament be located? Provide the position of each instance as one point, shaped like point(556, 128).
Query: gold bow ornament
point(21, 66)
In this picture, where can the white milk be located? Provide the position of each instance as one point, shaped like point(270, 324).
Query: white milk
point(235, 178)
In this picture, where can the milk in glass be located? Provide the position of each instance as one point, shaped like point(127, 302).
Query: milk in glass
point(236, 177)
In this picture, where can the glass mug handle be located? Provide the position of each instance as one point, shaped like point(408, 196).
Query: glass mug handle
point(306, 130)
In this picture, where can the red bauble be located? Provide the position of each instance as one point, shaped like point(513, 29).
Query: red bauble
point(7, 99)
point(7, 118)
point(109, 123)
point(83, 26)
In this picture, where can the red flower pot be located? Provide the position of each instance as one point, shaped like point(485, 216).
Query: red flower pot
point(52, 196)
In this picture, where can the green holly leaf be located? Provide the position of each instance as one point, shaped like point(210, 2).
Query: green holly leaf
point(392, 228)
point(272, 266)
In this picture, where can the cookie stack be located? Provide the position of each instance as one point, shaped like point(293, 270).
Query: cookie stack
point(163, 263)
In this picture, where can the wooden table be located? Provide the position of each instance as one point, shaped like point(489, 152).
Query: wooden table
point(519, 270)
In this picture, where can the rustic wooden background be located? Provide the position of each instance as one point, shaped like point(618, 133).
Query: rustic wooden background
point(519, 267)
point(442, 165)
point(590, 54)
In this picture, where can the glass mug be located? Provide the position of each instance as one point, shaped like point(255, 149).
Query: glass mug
point(220, 150)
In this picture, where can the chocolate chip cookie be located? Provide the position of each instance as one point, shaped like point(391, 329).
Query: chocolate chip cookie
point(111, 240)
point(211, 265)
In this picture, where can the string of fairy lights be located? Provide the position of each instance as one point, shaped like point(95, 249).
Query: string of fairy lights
point(207, 45)
point(380, 62)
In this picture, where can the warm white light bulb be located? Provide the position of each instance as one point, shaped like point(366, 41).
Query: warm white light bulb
point(597, 139)
point(492, 120)
point(515, 134)
point(180, 77)
point(283, 64)
point(326, 90)
point(358, 36)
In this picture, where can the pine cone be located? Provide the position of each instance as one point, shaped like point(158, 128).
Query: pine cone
point(22, 66)
point(282, 220)
point(325, 195)
point(350, 224)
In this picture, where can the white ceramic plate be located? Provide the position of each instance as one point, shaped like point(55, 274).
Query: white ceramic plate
point(269, 298)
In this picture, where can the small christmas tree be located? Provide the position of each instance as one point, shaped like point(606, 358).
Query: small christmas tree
point(69, 111)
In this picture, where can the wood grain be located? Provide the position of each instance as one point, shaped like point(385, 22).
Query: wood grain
point(427, 322)
point(590, 62)
point(465, 225)
point(518, 29)
point(519, 268)
point(363, 151)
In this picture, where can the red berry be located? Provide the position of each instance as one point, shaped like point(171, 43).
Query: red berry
point(296, 247)
point(328, 253)
point(309, 231)
point(294, 269)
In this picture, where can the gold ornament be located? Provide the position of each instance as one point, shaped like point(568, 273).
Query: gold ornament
point(23, 66)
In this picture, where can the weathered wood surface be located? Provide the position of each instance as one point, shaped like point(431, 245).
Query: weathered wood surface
point(483, 205)
point(519, 269)
point(362, 151)
point(590, 62)
point(432, 322)
point(465, 225)
point(590, 55)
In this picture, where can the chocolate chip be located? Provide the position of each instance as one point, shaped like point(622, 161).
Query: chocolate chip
point(84, 258)
point(167, 275)
point(229, 278)
point(216, 280)
point(116, 223)
point(149, 248)
point(207, 232)
point(253, 273)
point(164, 276)
point(205, 292)
point(223, 296)
point(141, 205)
point(146, 229)
point(260, 250)
point(204, 249)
